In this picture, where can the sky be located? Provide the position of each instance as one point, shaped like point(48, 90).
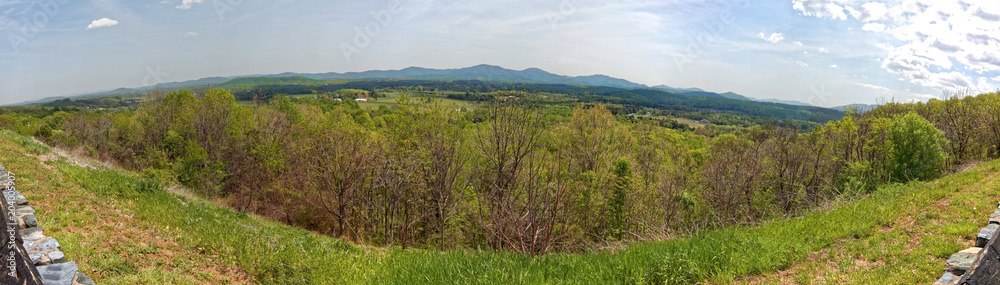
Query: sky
point(821, 52)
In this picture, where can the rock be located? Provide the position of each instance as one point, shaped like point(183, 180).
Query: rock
point(47, 244)
point(985, 234)
point(21, 202)
point(21, 208)
point(947, 278)
point(57, 257)
point(45, 260)
point(59, 273)
point(35, 257)
point(30, 231)
point(82, 279)
point(30, 221)
point(960, 262)
point(995, 217)
point(30, 239)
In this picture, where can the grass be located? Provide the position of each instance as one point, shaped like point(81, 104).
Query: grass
point(690, 122)
point(390, 101)
point(130, 230)
point(103, 235)
point(686, 121)
point(913, 248)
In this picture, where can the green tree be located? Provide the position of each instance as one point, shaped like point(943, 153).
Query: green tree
point(286, 106)
point(918, 148)
point(617, 209)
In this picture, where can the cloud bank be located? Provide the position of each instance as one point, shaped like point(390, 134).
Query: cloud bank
point(945, 45)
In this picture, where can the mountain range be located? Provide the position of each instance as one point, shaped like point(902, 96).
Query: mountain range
point(481, 72)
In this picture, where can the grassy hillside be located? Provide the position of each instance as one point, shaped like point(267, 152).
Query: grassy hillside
point(126, 229)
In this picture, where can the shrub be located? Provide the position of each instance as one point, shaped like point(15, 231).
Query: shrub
point(918, 148)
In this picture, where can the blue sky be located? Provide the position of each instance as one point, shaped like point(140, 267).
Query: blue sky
point(823, 52)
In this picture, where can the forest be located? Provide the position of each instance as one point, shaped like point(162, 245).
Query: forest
point(524, 173)
point(709, 105)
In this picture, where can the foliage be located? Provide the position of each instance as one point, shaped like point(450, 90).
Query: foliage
point(532, 171)
point(279, 254)
point(618, 215)
point(918, 148)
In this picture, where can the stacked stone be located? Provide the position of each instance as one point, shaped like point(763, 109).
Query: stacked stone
point(43, 251)
point(964, 261)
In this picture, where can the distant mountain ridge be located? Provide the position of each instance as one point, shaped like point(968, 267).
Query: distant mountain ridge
point(485, 72)
point(482, 72)
point(860, 108)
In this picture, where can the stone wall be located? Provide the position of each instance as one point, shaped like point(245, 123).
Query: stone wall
point(44, 252)
point(979, 264)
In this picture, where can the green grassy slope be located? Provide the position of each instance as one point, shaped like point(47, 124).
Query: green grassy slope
point(236, 246)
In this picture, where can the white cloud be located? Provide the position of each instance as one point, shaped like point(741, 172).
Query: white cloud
point(798, 44)
point(872, 86)
point(823, 50)
point(820, 8)
point(834, 66)
point(919, 97)
point(984, 85)
point(942, 38)
point(190, 34)
point(868, 12)
point(874, 27)
point(773, 38)
point(939, 44)
point(997, 79)
point(102, 23)
point(186, 4)
point(802, 64)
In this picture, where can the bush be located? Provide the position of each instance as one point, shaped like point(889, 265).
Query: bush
point(859, 177)
point(918, 149)
point(44, 132)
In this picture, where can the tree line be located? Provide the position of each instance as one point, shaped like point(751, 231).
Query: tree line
point(515, 175)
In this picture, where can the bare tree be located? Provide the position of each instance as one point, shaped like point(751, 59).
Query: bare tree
point(342, 168)
point(733, 177)
point(959, 121)
point(523, 203)
point(445, 161)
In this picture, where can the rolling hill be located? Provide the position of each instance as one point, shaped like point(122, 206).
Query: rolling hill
point(483, 72)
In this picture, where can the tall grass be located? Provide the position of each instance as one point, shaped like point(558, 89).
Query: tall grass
point(30, 146)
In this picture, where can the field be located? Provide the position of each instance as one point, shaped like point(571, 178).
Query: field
point(127, 229)
point(390, 101)
point(690, 122)
point(686, 121)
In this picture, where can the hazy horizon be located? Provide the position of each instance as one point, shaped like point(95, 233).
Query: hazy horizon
point(822, 52)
